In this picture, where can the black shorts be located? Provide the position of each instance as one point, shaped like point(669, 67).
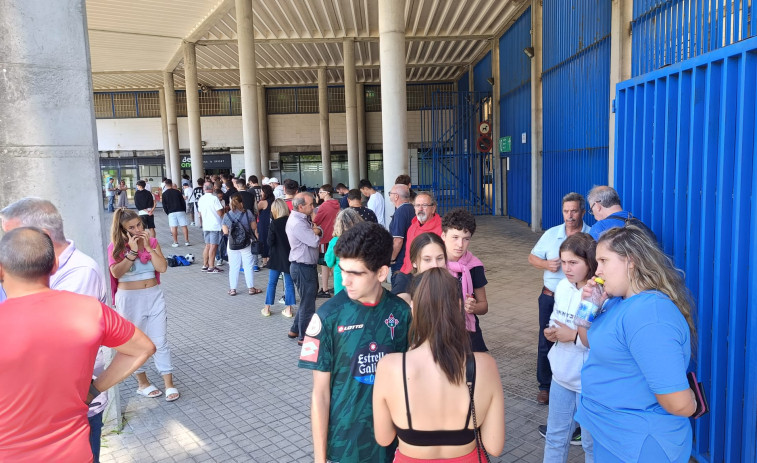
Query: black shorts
point(148, 221)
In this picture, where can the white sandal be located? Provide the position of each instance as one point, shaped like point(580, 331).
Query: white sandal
point(148, 392)
point(171, 391)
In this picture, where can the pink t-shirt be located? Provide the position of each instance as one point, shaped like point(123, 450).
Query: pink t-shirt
point(47, 348)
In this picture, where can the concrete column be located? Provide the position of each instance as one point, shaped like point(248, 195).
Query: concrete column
point(362, 148)
point(537, 110)
point(168, 101)
point(164, 129)
point(350, 102)
point(499, 181)
point(248, 87)
point(193, 110)
point(620, 65)
point(263, 129)
point(393, 93)
point(323, 114)
point(47, 122)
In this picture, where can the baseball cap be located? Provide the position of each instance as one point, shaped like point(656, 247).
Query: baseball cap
point(273, 180)
point(265, 181)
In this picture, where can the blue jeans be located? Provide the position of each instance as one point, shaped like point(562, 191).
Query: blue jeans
point(543, 370)
point(273, 281)
point(221, 252)
point(306, 279)
point(560, 426)
point(111, 201)
point(95, 431)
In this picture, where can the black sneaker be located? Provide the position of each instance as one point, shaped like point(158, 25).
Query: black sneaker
point(323, 294)
point(576, 439)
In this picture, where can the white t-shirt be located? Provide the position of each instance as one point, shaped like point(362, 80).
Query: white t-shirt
point(209, 205)
point(188, 196)
point(567, 358)
point(376, 204)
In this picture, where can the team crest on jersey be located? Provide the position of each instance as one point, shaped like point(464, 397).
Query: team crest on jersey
point(315, 326)
point(365, 360)
point(392, 323)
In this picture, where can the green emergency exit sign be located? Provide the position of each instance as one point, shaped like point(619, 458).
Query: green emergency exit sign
point(505, 144)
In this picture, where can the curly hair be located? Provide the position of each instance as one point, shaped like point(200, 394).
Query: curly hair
point(366, 241)
point(459, 219)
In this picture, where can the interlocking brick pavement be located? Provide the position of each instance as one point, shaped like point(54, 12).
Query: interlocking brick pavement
point(243, 399)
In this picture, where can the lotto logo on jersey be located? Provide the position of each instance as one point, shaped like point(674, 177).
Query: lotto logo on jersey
point(365, 360)
point(309, 352)
point(343, 329)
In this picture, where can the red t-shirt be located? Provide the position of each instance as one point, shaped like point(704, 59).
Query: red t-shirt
point(434, 225)
point(48, 346)
point(325, 218)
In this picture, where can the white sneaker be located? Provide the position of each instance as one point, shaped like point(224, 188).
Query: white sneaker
point(175, 245)
point(186, 243)
point(192, 224)
point(281, 300)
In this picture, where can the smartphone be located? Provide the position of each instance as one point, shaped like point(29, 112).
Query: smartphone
point(702, 407)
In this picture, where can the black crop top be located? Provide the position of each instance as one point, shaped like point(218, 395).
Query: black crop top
point(441, 437)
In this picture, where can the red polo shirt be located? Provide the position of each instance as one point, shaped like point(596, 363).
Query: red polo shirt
point(434, 225)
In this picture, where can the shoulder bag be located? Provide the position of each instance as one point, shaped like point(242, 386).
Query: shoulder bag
point(470, 379)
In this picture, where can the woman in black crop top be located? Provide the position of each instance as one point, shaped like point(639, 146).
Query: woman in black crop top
point(433, 372)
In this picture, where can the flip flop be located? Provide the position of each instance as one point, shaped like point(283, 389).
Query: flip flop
point(171, 391)
point(149, 392)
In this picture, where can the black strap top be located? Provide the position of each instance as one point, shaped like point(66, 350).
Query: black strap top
point(441, 437)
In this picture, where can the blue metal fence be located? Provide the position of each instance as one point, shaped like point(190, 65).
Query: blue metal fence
point(669, 31)
point(576, 89)
point(515, 115)
point(449, 165)
point(685, 162)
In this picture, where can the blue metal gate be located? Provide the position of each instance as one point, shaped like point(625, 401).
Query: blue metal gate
point(685, 161)
point(576, 87)
point(515, 115)
point(449, 162)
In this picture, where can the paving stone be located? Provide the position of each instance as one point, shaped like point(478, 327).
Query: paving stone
point(243, 397)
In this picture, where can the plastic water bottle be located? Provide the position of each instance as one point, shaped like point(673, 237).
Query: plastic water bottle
point(589, 307)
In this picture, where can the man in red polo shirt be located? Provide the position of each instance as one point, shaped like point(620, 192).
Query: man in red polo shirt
point(47, 351)
point(426, 220)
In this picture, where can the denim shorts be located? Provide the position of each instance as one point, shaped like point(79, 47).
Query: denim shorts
point(177, 219)
point(212, 237)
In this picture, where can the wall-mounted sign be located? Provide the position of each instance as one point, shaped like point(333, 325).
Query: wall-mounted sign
point(209, 161)
point(506, 144)
point(484, 128)
point(484, 143)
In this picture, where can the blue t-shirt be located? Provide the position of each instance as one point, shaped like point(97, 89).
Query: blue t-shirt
point(344, 202)
point(640, 347)
point(3, 297)
point(615, 220)
point(401, 221)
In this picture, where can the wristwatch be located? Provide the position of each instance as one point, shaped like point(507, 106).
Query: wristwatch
point(92, 393)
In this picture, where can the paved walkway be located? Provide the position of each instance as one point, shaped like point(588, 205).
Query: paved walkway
point(245, 400)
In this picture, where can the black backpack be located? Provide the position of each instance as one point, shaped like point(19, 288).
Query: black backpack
point(239, 236)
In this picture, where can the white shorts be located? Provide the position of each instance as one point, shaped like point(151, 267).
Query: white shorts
point(177, 219)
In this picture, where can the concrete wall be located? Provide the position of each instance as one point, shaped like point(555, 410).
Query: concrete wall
point(285, 130)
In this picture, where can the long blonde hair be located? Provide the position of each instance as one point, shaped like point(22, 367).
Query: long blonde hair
point(118, 234)
point(652, 270)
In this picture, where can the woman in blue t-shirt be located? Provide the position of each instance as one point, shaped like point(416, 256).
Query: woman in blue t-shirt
point(635, 398)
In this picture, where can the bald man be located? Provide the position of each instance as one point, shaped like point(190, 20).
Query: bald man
point(44, 397)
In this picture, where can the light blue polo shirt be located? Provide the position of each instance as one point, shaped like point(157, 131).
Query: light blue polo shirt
point(640, 347)
point(548, 248)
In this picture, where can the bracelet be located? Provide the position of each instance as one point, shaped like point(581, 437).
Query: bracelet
point(132, 252)
point(131, 260)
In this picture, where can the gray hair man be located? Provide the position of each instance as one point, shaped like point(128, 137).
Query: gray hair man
point(76, 272)
point(546, 256)
point(49, 343)
point(404, 213)
point(604, 205)
point(304, 237)
point(426, 220)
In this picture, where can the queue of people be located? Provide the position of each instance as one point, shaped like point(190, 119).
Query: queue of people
point(619, 382)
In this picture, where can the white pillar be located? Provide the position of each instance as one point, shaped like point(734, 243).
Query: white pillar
point(499, 180)
point(164, 130)
point(193, 110)
point(393, 93)
point(248, 87)
point(263, 129)
point(362, 149)
point(47, 122)
point(169, 103)
point(323, 114)
point(537, 109)
point(350, 103)
point(620, 66)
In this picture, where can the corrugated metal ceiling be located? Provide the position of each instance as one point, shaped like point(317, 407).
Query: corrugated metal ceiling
point(133, 41)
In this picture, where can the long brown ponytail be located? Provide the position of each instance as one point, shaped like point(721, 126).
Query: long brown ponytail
point(118, 235)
